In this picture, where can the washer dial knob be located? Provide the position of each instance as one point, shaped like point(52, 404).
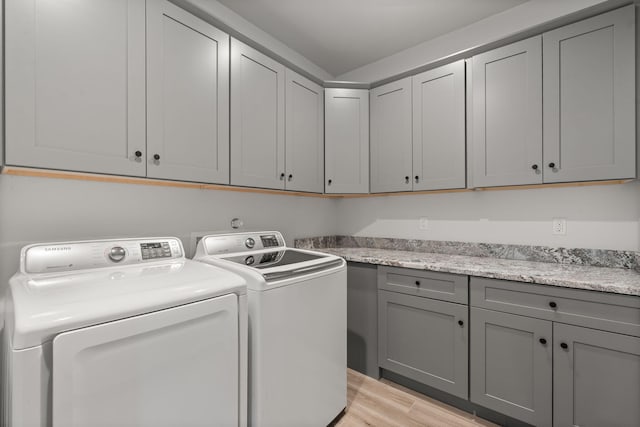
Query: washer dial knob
point(250, 243)
point(249, 260)
point(117, 253)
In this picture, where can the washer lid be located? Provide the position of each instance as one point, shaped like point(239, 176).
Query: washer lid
point(41, 305)
point(287, 263)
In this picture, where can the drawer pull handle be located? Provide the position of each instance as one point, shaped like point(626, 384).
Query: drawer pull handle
point(543, 341)
point(564, 345)
point(552, 304)
point(460, 322)
point(417, 282)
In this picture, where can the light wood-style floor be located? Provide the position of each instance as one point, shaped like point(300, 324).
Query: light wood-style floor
point(386, 404)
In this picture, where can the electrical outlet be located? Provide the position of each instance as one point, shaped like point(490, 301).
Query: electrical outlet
point(424, 223)
point(559, 226)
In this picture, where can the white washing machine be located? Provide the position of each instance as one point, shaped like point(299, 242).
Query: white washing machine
point(297, 327)
point(123, 333)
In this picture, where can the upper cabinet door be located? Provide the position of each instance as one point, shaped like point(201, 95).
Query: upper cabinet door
point(188, 96)
point(439, 128)
point(346, 140)
point(75, 85)
point(304, 134)
point(257, 119)
point(391, 137)
point(507, 115)
point(589, 99)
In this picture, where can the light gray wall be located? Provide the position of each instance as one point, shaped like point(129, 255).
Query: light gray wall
point(40, 210)
point(489, 30)
point(606, 217)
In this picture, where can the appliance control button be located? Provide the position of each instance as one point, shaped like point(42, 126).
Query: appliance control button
point(249, 260)
point(117, 253)
point(250, 243)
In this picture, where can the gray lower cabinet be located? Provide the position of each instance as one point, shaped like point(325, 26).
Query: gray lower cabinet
point(362, 318)
point(596, 378)
point(579, 348)
point(424, 339)
point(511, 365)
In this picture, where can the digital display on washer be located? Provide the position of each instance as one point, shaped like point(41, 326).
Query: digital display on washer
point(155, 250)
point(269, 241)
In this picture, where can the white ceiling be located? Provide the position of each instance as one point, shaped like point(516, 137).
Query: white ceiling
point(342, 35)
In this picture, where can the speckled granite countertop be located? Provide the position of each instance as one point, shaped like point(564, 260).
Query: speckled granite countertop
point(615, 280)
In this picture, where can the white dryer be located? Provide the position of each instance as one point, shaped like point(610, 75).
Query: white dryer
point(297, 327)
point(123, 333)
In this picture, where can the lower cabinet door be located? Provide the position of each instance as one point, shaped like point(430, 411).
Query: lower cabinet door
point(425, 340)
point(511, 365)
point(596, 378)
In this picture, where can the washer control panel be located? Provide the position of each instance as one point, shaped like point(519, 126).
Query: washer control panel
point(241, 242)
point(72, 256)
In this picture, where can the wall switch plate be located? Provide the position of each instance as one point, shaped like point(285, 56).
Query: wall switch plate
point(559, 226)
point(423, 223)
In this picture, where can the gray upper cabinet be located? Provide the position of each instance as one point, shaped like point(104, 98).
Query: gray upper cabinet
point(439, 128)
point(596, 378)
point(346, 140)
point(418, 132)
point(304, 140)
point(511, 365)
point(257, 119)
point(391, 147)
point(75, 85)
point(188, 97)
point(507, 115)
point(589, 99)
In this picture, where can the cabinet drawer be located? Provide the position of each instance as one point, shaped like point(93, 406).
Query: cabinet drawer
point(598, 310)
point(442, 286)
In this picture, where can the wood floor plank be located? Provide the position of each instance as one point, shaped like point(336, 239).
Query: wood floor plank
point(373, 403)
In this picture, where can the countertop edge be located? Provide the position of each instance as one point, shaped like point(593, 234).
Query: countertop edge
point(598, 284)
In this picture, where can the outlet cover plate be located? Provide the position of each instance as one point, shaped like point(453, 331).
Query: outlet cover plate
point(559, 226)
